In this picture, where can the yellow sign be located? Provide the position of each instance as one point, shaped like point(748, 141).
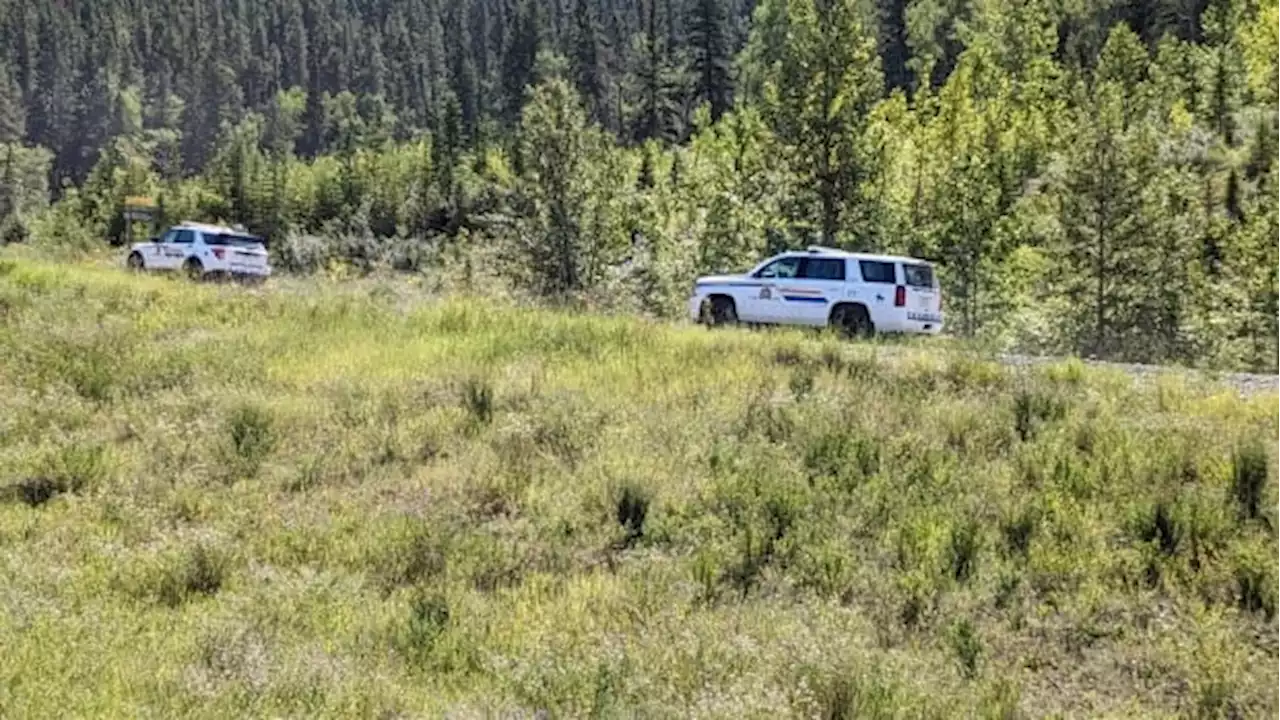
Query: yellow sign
point(139, 202)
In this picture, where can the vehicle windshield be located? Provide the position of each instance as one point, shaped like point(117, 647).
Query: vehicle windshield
point(233, 240)
point(918, 275)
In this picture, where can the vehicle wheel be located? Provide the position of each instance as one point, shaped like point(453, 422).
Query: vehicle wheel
point(135, 262)
point(193, 269)
point(718, 311)
point(852, 321)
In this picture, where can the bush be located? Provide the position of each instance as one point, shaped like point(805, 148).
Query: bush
point(252, 433)
point(967, 647)
point(966, 543)
point(199, 572)
point(428, 620)
point(1018, 531)
point(632, 507)
point(842, 695)
point(69, 470)
point(414, 554)
point(477, 398)
point(1032, 410)
point(1255, 578)
point(1249, 478)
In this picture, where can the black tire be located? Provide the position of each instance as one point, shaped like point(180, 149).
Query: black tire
point(135, 262)
point(193, 269)
point(852, 321)
point(718, 311)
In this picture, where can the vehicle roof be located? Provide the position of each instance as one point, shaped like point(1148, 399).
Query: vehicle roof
point(206, 227)
point(818, 251)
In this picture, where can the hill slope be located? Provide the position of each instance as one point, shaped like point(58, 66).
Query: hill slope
point(219, 502)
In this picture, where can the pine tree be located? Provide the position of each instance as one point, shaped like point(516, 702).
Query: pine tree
point(13, 113)
point(1225, 66)
point(1099, 215)
point(709, 38)
point(817, 96)
point(558, 149)
point(589, 72)
point(520, 55)
point(894, 52)
point(656, 116)
point(465, 76)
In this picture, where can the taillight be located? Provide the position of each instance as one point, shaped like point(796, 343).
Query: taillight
point(900, 297)
point(219, 252)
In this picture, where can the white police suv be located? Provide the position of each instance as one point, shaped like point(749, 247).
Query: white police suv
point(856, 293)
point(204, 251)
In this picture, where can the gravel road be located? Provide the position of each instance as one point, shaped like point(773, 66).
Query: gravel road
point(1246, 383)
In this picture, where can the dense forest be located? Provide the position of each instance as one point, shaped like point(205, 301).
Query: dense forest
point(1092, 176)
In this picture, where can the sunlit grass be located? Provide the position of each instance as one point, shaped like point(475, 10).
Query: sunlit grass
point(359, 499)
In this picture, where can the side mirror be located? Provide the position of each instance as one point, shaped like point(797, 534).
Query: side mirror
point(154, 239)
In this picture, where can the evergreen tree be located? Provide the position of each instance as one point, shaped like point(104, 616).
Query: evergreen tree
point(13, 112)
point(656, 116)
point(709, 38)
point(1117, 221)
point(589, 71)
point(817, 95)
point(520, 55)
point(557, 147)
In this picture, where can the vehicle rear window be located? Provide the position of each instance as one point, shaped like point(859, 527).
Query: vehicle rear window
point(878, 272)
point(823, 269)
point(232, 240)
point(918, 275)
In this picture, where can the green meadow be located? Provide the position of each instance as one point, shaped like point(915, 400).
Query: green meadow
point(366, 499)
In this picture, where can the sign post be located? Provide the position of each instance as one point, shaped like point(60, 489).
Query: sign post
point(137, 209)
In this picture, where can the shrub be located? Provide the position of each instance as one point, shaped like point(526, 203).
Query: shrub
point(252, 436)
point(70, 470)
point(200, 572)
point(631, 509)
point(843, 457)
point(1256, 582)
point(1032, 410)
point(477, 398)
point(34, 491)
point(416, 554)
point(1018, 531)
point(842, 695)
point(1249, 478)
point(966, 543)
point(1158, 525)
point(429, 617)
point(803, 379)
point(967, 647)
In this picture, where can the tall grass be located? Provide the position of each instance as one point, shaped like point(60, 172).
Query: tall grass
point(325, 500)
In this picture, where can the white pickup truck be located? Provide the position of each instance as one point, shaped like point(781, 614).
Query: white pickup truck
point(856, 293)
point(204, 251)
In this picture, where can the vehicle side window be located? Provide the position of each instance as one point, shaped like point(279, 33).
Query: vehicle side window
point(171, 236)
point(785, 268)
point(878, 272)
point(185, 237)
point(823, 269)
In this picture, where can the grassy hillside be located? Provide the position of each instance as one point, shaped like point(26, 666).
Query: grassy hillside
point(345, 501)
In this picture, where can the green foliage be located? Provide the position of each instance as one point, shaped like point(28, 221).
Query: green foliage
point(967, 646)
point(819, 78)
point(1250, 475)
point(649, 517)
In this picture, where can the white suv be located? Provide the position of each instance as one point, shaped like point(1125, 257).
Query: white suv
point(204, 250)
point(852, 292)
